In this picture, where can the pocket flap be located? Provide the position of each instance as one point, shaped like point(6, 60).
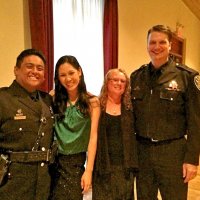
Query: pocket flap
point(137, 94)
point(170, 95)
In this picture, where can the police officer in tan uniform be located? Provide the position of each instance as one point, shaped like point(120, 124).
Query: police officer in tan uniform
point(166, 102)
point(26, 135)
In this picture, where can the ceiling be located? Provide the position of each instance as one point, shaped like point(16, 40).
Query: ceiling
point(194, 6)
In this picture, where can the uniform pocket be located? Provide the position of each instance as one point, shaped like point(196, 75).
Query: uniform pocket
point(171, 102)
point(137, 95)
point(170, 95)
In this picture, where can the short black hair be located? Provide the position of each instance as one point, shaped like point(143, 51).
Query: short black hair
point(162, 29)
point(29, 52)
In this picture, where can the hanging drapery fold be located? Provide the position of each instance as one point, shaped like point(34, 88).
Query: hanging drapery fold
point(41, 26)
point(110, 35)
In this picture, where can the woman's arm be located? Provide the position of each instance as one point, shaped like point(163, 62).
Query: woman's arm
point(86, 180)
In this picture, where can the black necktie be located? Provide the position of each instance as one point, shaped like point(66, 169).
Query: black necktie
point(34, 96)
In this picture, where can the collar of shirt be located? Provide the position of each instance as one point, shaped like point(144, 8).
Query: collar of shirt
point(34, 96)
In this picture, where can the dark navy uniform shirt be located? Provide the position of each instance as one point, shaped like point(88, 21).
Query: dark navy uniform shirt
point(21, 121)
point(166, 105)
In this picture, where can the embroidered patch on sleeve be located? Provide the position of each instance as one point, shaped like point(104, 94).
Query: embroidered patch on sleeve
point(197, 81)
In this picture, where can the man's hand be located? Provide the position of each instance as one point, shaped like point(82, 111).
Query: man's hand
point(189, 172)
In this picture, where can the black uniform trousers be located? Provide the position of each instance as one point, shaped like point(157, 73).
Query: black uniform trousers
point(161, 167)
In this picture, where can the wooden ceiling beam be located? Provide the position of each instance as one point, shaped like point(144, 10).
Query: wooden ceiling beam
point(194, 6)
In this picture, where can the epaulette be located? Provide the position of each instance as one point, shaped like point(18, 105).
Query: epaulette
point(186, 68)
point(143, 66)
point(3, 89)
point(140, 68)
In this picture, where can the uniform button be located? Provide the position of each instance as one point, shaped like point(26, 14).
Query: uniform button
point(9, 175)
point(42, 134)
point(42, 164)
point(43, 120)
point(43, 149)
point(20, 129)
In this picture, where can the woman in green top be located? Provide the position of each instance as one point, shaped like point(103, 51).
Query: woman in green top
point(77, 114)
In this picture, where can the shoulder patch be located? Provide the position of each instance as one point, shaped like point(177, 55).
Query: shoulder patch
point(197, 81)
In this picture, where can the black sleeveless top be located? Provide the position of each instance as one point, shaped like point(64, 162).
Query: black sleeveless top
point(114, 139)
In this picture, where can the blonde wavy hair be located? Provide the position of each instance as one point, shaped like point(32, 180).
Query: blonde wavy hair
point(126, 97)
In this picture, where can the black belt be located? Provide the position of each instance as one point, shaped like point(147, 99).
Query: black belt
point(31, 156)
point(154, 141)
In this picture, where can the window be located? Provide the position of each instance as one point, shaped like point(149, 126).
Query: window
point(78, 31)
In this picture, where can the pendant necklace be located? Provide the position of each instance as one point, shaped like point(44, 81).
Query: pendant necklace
point(115, 107)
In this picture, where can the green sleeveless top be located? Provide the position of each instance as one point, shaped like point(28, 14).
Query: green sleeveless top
point(73, 132)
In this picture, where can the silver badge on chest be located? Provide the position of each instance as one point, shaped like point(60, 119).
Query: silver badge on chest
point(173, 85)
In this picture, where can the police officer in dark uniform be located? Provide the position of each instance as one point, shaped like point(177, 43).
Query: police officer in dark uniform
point(166, 102)
point(26, 124)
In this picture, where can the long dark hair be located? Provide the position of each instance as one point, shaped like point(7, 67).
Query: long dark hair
point(61, 95)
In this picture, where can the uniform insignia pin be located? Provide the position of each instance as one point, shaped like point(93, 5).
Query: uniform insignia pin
point(19, 115)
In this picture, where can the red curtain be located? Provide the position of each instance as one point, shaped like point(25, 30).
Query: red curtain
point(41, 26)
point(110, 35)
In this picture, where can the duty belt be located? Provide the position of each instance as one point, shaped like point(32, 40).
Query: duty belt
point(31, 156)
point(154, 141)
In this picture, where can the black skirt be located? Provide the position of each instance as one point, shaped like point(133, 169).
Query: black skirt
point(67, 183)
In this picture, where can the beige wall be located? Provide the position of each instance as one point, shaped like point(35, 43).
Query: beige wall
point(14, 36)
point(136, 17)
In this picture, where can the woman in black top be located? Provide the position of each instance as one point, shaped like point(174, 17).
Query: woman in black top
point(116, 159)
